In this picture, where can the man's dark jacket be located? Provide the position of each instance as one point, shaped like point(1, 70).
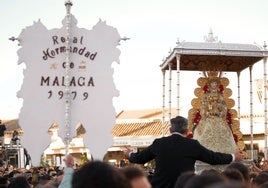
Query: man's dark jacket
point(174, 155)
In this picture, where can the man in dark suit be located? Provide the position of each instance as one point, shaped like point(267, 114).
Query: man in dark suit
point(176, 154)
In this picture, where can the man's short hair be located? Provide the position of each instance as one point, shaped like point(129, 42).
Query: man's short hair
point(179, 124)
point(240, 167)
point(132, 172)
point(99, 174)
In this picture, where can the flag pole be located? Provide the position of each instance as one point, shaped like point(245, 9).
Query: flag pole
point(67, 139)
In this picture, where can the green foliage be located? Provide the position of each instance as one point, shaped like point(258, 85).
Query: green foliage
point(84, 158)
point(43, 161)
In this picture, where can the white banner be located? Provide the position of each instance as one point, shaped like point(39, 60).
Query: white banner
point(91, 84)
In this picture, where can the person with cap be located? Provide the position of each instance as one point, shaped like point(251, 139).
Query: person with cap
point(176, 154)
point(2, 133)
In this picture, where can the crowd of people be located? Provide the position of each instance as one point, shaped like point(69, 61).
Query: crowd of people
point(174, 156)
point(236, 175)
point(93, 174)
point(99, 174)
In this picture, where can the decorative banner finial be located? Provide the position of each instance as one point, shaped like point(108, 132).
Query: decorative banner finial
point(68, 3)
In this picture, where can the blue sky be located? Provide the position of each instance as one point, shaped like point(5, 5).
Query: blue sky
point(153, 26)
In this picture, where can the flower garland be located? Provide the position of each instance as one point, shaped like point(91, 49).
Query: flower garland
point(230, 123)
point(196, 119)
point(196, 122)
